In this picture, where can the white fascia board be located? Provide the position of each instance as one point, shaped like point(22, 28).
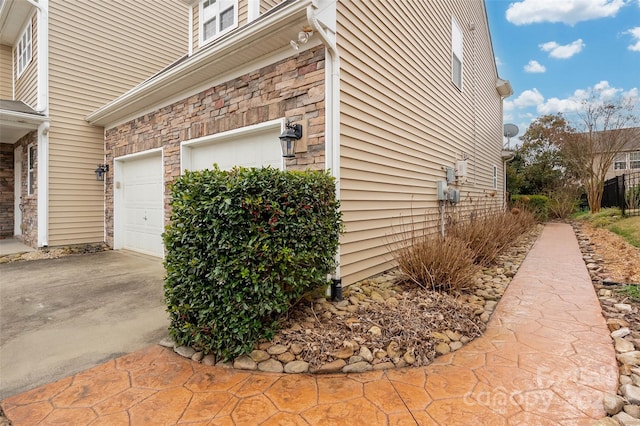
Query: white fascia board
point(167, 82)
point(21, 119)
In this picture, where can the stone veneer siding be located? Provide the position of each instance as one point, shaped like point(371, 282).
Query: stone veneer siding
point(292, 88)
point(29, 223)
point(6, 191)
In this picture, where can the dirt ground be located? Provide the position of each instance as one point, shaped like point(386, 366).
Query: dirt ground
point(621, 259)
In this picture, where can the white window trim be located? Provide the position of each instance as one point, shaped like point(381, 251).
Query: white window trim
point(637, 154)
point(31, 170)
point(495, 177)
point(457, 52)
point(201, 21)
point(24, 48)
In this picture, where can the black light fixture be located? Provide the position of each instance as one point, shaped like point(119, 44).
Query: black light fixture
point(101, 171)
point(288, 138)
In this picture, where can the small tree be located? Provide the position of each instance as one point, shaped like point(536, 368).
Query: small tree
point(539, 166)
point(604, 129)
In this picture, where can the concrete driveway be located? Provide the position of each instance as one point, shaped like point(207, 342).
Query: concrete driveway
point(62, 316)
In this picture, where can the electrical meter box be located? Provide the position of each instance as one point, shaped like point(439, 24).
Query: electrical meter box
point(442, 190)
point(454, 195)
point(451, 175)
point(461, 169)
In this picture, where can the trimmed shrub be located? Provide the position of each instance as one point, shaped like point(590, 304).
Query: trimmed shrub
point(241, 247)
point(537, 204)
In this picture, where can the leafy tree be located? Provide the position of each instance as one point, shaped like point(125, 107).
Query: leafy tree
point(604, 128)
point(557, 154)
point(539, 166)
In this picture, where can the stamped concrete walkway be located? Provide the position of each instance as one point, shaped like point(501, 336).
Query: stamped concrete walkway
point(545, 359)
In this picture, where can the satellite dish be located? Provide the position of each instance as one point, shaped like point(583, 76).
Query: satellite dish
point(510, 130)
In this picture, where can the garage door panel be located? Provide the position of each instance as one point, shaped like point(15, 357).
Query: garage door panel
point(143, 207)
point(258, 149)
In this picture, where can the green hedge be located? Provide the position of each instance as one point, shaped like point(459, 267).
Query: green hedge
point(241, 247)
point(537, 204)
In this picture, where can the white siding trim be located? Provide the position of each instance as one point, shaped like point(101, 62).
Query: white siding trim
point(254, 10)
point(43, 185)
point(43, 57)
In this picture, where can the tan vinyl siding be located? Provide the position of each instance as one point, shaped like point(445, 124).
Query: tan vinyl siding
point(243, 12)
point(6, 71)
point(265, 5)
point(403, 119)
point(27, 84)
point(96, 54)
point(196, 27)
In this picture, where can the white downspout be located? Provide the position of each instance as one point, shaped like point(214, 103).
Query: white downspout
point(332, 99)
point(43, 130)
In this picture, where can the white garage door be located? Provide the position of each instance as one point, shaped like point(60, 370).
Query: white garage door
point(254, 147)
point(142, 221)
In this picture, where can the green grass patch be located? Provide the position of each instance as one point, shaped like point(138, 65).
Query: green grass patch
point(603, 218)
point(632, 292)
point(628, 228)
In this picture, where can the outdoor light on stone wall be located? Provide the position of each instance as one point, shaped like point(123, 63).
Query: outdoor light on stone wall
point(288, 138)
point(303, 38)
point(101, 171)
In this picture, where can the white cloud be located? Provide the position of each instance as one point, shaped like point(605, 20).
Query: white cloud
point(605, 91)
point(602, 91)
point(535, 67)
point(635, 33)
point(565, 11)
point(555, 105)
point(559, 51)
point(526, 99)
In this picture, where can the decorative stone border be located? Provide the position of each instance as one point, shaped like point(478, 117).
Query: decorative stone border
point(622, 408)
point(351, 358)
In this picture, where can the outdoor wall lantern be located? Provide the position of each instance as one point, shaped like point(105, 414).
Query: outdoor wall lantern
point(101, 171)
point(288, 138)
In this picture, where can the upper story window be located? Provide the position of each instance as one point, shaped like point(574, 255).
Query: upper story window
point(456, 54)
point(620, 162)
point(216, 18)
point(23, 49)
point(634, 160)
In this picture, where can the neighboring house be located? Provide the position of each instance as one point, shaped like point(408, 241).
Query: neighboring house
point(60, 60)
point(388, 93)
point(628, 159)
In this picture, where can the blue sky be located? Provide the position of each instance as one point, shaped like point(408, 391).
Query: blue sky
point(554, 52)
